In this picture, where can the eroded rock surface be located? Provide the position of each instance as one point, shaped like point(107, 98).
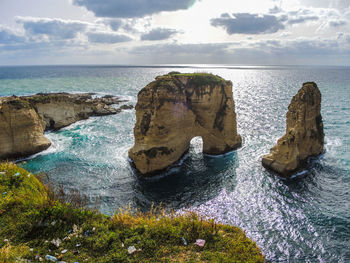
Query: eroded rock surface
point(23, 120)
point(176, 107)
point(21, 129)
point(304, 136)
point(62, 109)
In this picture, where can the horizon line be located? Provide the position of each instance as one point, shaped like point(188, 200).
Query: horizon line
point(180, 65)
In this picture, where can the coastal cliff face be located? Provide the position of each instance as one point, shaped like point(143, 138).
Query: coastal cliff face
point(23, 120)
point(176, 107)
point(304, 136)
point(21, 129)
point(62, 109)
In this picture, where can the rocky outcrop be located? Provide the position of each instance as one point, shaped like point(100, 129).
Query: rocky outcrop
point(21, 129)
point(304, 136)
point(23, 120)
point(62, 109)
point(176, 107)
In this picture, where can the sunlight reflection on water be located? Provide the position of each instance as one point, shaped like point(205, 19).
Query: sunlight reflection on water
point(300, 220)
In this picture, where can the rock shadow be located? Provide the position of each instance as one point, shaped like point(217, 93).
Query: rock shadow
point(197, 180)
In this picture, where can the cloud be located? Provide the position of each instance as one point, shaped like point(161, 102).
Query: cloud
point(275, 10)
point(338, 4)
point(159, 34)
point(55, 28)
point(132, 8)
point(334, 50)
point(9, 37)
point(301, 16)
point(180, 49)
point(107, 37)
point(128, 25)
point(245, 23)
point(337, 23)
point(114, 24)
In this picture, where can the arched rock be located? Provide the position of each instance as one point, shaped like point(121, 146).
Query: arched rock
point(176, 107)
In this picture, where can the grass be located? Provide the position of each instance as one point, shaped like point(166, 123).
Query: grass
point(203, 78)
point(33, 222)
point(198, 79)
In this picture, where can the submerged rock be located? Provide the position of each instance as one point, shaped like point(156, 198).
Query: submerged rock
point(304, 136)
point(176, 107)
point(23, 120)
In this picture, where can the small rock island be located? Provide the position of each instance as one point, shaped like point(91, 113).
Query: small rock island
point(23, 120)
point(176, 107)
point(304, 136)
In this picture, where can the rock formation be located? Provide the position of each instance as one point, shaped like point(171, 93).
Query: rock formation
point(176, 107)
point(62, 109)
point(21, 129)
point(23, 120)
point(304, 136)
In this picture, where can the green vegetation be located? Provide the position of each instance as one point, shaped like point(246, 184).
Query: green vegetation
point(18, 103)
point(47, 98)
point(33, 224)
point(199, 79)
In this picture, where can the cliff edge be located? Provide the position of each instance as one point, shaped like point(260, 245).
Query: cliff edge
point(176, 107)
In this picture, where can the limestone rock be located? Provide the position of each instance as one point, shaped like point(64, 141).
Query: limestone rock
point(23, 120)
point(304, 136)
point(21, 129)
point(176, 107)
point(62, 109)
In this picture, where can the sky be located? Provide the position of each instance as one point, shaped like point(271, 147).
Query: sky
point(139, 32)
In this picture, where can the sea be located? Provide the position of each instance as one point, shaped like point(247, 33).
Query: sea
point(303, 219)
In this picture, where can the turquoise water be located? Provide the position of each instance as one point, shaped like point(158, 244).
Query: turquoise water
point(306, 219)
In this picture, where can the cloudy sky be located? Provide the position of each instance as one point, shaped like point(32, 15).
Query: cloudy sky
point(259, 32)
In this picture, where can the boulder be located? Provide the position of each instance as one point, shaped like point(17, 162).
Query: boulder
point(176, 107)
point(304, 136)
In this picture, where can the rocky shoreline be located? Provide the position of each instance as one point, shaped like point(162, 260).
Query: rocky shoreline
point(23, 120)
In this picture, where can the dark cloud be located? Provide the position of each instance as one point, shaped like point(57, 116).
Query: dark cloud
point(8, 37)
point(55, 28)
point(114, 24)
point(245, 23)
point(159, 34)
point(132, 8)
point(107, 38)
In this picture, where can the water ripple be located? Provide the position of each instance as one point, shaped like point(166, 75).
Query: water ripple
point(306, 219)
